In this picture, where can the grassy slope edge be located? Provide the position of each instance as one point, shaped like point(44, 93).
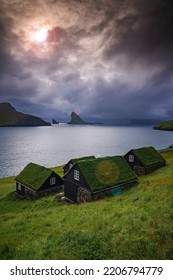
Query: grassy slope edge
point(168, 125)
point(135, 225)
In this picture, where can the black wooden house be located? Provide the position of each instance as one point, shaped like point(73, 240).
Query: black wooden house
point(71, 162)
point(144, 160)
point(35, 181)
point(94, 178)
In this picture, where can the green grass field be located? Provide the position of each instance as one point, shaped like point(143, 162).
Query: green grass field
point(138, 224)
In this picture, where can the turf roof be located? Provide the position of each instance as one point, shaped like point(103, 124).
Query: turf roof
point(101, 173)
point(34, 175)
point(148, 156)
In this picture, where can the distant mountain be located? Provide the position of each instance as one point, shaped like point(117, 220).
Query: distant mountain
point(168, 125)
point(10, 117)
point(143, 122)
point(75, 119)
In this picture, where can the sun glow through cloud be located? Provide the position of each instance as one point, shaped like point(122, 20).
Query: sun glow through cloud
point(41, 35)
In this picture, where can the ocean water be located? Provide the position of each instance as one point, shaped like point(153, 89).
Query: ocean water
point(55, 145)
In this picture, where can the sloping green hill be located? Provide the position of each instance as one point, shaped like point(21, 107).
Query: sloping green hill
point(168, 125)
point(10, 117)
point(134, 225)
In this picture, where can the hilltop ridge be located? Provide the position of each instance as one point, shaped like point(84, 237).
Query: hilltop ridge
point(9, 116)
point(6, 107)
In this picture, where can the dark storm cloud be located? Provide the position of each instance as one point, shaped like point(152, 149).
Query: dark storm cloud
point(144, 35)
point(111, 59)
point(8, 64)
point(145, 29)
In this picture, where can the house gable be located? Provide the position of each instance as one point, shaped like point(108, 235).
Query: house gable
point(144, 160)
point(135, 162)
point(72, 183)
point(146, 157)
point(37, 177)
point(70, 176)
point(71, 162)
point(149, 156)
point(53, 181)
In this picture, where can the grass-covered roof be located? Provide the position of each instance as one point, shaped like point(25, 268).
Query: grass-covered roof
point(82, 158)
point(106, 172)
point(148, 156)
point(34, 175)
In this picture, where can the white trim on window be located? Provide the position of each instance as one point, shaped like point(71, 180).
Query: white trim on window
point(76, 175)
point(131, 158)
point(53, 181)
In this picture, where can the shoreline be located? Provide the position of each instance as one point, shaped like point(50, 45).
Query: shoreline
point(161, 151)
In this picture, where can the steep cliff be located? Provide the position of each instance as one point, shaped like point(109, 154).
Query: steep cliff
point(75, 119)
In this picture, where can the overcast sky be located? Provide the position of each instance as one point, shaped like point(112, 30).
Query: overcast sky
point(108, 60)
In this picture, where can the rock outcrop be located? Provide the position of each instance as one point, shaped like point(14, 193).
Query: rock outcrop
point(54, 121)
point(75, 119)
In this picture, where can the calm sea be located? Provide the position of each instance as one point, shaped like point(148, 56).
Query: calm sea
point(55, 145)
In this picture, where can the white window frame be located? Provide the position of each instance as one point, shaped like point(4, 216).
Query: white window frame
point(52, 181)
point(19, 186)
point(76, 175)
point(131, 158)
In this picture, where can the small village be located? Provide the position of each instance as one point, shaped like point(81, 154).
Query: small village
point(88, 178)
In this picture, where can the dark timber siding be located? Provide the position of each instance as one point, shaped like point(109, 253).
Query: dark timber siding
point(47, 185)
point(70, 190)
point(70, 177)
point(71, 185)
point(136, 162)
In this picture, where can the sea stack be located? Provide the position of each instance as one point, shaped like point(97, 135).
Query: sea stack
point(76, 119)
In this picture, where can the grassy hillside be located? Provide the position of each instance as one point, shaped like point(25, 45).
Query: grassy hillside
point(138, 224)
point(168, 125)
point(10, 117)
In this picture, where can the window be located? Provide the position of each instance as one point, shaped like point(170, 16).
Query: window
point(76, 175)
point(52, 181)
point(19, 187)
point(131, 158)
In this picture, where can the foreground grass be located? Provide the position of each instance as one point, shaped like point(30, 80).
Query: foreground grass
point(138, 224)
